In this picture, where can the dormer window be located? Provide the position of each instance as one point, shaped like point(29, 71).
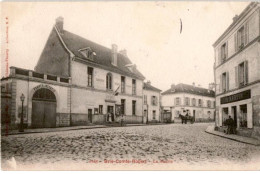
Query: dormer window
point(87, 53)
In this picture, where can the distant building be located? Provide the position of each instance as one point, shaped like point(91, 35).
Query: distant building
point(151, 102)
point(196, 101)
point(75, 82)
point(237, 73)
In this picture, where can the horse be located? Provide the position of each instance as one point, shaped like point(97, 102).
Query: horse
point(186, 118)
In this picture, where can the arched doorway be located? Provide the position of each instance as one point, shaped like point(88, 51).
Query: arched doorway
point(43, 108)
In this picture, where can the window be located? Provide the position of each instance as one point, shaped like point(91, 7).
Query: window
point(87, 53)
point(223, 52)
point(177, 101)
point(133, 107)
point(123, 106)
point(242, 74)
point(109, 81)
point(154, 100)
point(243, 116)
point(154, 114)
point(187, 101)
point(100, 109)
point(209, 103)
point(122, 84)
point(241, 38)
point(193, 102)
point(145, 99)
point(224, 82)
point(133, 86)
point(90, 77)
point(200, 102)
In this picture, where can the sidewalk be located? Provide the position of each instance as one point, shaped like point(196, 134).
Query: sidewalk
point(60, 129)
point(238, 138)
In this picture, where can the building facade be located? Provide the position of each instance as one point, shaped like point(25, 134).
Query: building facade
point(151, 103)
point(188, 99)
point(237, 73)
point(75, 82)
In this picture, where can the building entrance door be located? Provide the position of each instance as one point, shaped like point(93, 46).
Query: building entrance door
point(234, 111)
point(90, 115)
point(43, 109)
point(110, 109)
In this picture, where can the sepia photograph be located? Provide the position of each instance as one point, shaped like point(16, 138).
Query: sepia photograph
point(130, 86)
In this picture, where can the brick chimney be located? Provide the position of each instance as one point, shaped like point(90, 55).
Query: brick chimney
point(149, 82)
point(173, 87)
point(59, 24)
point(235, 18)
point(114, 55)
point(123, 52)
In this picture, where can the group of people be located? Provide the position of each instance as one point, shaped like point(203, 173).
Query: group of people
point(230, 124)
point(111, 118)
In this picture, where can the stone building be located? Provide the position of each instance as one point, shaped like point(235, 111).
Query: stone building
point(196, 101)
point(237, 73)
point(151, 102)
point(75, 82)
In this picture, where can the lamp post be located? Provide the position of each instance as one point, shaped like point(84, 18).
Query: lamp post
point(21, 121)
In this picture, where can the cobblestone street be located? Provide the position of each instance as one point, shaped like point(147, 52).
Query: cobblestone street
point(168, 144)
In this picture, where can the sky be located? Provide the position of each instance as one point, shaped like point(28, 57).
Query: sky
point(149, 31)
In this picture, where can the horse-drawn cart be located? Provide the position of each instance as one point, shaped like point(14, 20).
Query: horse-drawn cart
point(186, 118)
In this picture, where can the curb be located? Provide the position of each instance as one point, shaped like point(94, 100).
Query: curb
point(73, 129)
point(232, 138)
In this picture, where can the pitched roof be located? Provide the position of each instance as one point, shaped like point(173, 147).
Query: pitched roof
point(190, 89)
point(103, 55)
point(150, 87)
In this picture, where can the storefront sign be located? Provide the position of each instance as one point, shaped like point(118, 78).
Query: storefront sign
point(236, 97)
point(44, 86)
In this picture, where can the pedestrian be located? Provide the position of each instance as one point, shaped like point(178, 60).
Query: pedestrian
point(230, 123)
point(122, 120)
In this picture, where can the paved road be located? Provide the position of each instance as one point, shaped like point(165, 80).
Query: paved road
point(166, 144)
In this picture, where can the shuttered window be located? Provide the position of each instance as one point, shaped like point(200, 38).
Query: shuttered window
point(242, 74)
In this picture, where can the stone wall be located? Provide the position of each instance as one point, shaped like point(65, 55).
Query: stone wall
point(62, 120)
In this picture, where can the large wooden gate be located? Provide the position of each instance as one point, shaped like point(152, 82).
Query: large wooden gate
point(43, 109)
point(166, 117)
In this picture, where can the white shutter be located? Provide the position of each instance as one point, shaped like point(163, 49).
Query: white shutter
point(235, 39)
point(246, 33)
point(249, 116)
point(220, 83)
point(236, 76)
point(220, 116)
point(246, 72)
point(227, 81)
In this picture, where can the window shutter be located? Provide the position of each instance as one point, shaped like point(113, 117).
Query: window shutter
point(226, 50)
point(235, 41)
point(174, 101)
point(246, 72)
point(236, 76)
point(227, 81)
point(151, 100)
point(219, 56)
point(249, 116)
point(246, 33)
point(220, 83)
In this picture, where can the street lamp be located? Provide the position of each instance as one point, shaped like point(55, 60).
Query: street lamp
point(21, 122)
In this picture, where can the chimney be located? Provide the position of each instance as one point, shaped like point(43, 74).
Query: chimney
point(114, 55)
point(123, 52)
point(235, 18)
point(193, 84)
point(59, 24)
point(149, 82)
point(173, 87)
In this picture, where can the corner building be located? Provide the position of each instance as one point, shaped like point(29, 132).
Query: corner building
point(237, 73)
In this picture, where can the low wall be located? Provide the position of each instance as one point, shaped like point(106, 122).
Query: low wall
point(62, 120)
point(79, 119)
point(129, 119)
point(98, 119)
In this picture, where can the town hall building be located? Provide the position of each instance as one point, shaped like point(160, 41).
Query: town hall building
point(75, 82)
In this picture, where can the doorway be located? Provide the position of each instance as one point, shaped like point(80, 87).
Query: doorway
point(90, 115)
point(234, 111)
point(43, 109)
point(110, 109)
